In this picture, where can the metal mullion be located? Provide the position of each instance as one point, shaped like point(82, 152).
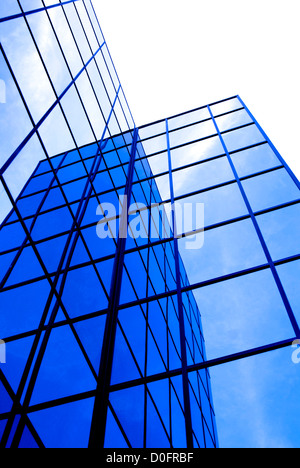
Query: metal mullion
point(264, 246)
point(186, 395)
point(37, 10)
point(98, 425)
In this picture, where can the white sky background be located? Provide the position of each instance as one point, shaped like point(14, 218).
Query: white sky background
point(173, 56)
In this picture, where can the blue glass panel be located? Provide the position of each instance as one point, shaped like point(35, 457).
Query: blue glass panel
point(243, 137)
point(202, 176)
point(25, 305)
point(137, 272)
point(27, 440)
point(133, 323)
point(64, 370)
point(127, 291)
point(80, 254)
point(99, 246)
point(124, 366)
point(160, 393)
point(156, 277)
point(158, 326)
point(173, 323)
point(5, 400)
point(191, 133)
point(66, 426)
point(289, 275)
point(129, 407)
point(54, 199)
point(83, 292)
point(242, 313)
point(51, 252)
point(281, 231)
point(103, 182)
point(219, 205)
point(5, 262)
point(72, 157)
point(113, 435)
point(119, 175)
point(105, 270)
point(156, 435)
point(69, 173)
point(209, 443)
point(39, 183)
point(254, 160)
point(11, 236)
point(178, 423)
point(155, 363)
point(9, 8)
point(91, 333)
point(232, 120)
point(226, 250)
point(195, 152)
point(225, 106)
point(75, 190)
point(90, 216)
point(26, 268)
point(2, 426)
point(188, 118)
point(28, 206)
point(17, 353)
point(261, 194)
point(13, 430)
point(197, 421)
point(52, 223)
point(89, 151)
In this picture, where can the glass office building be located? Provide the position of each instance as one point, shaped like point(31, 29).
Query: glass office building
point(116, 239)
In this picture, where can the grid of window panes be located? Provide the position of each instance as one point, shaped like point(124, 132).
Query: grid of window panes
point(73, 303)
point(80, 267)
point(59, 281)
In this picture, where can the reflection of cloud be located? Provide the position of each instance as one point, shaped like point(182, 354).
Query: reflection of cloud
point(238, 315)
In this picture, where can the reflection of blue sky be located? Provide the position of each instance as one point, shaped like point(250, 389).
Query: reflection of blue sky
point(254, 400)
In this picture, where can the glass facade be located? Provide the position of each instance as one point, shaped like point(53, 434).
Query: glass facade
point(122, 240)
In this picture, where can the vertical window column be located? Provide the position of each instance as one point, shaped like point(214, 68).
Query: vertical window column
point(185, 380)
point(280, 287)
